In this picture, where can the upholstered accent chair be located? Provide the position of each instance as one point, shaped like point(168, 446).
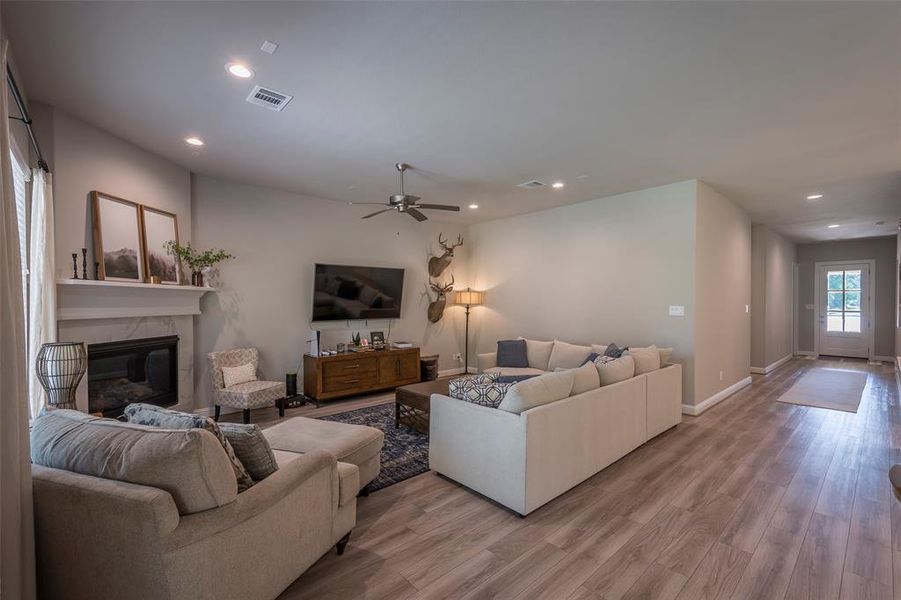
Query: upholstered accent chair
point(247, 395)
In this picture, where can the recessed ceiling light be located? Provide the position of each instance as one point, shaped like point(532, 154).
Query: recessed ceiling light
point(557, 185)
point(814, 196)
point(833, 226)
point(194, 141)
point(240, 71)
point(473, 206)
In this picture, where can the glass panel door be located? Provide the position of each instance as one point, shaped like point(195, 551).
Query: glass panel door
point(843, 300)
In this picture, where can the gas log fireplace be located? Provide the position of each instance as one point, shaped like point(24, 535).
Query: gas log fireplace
point(139, 370)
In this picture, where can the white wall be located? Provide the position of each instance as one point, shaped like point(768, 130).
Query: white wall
point(84, 158)
point(599, 271)
point(883, 250)
point(723, 294)
point(265, 294)
point(772, 297)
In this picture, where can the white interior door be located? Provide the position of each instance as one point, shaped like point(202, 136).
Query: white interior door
point(844, 309)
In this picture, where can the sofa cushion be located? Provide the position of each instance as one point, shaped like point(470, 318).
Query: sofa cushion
point(513, 372)
point(189, 464)
point(585, 379)
point(599, 349)
point(512, 353)
point(590, 358)
point(665, 354)
point(615, 370)
point(567, 356)
point(350, 443)
point(240, 374)
point(348, 475)
point(515, 378)
point(157, 416)
point(537, 391)
point(251, 448)
point(646, 359)
point(539, 353)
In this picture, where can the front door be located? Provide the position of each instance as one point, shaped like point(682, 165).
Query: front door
point(843, 305)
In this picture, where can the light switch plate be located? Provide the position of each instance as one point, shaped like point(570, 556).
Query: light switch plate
point(676, 311)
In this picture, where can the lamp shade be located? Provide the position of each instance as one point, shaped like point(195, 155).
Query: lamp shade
point(60, 367)
point(469, 297)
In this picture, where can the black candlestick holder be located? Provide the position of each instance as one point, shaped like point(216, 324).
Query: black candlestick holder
point(97, 271)
point(84, 263)
point(75, 265)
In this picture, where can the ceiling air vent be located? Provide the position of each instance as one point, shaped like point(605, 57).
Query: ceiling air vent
point(530, 185)
point(268, 98)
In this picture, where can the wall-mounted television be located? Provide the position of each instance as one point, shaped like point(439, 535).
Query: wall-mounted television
point(344, 292)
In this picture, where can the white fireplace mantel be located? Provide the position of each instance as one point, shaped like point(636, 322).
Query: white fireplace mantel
point(88, 299)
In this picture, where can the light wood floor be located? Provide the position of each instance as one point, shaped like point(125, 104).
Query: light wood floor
point(753, 499)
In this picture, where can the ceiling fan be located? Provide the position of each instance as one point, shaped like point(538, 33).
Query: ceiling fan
point(406, 203)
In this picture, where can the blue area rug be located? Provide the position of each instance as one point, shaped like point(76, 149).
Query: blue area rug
point(406, 451)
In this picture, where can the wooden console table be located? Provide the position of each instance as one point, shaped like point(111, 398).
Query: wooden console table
point(342, 375)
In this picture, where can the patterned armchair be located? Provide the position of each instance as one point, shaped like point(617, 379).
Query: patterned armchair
point(247, 395)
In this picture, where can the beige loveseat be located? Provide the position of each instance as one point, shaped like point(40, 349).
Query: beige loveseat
point(128, 511)
point(523, 460)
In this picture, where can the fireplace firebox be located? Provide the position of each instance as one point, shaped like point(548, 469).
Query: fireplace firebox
point(128, 371)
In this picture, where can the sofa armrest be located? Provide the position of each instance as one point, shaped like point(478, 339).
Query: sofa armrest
point(486, 361)
point(482, 448)
point(262, 496)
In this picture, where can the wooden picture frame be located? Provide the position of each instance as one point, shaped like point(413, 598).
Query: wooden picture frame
point(158, 227)
point(118, 238)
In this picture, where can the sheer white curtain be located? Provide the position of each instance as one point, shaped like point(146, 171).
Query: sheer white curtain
point(41, 284)
point(17, 579)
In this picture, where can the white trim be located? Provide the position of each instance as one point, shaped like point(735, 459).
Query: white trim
point(871, 300)
point(772, 367)
point(455, 371)
point(888, 359)
point(696, 409)
point(805, 353)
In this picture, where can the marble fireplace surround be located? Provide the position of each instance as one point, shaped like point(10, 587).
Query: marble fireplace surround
point(100, 311)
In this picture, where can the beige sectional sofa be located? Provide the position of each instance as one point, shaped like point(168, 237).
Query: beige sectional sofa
point(525, 460)
point(128, 511)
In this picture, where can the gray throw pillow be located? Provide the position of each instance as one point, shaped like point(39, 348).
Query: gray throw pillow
point(157, 416)
point(512, 353)
point(614, 351)
point(252, 449)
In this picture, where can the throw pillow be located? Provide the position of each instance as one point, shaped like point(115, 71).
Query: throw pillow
point(486, 394)
point(514, 378)
point(157, 416)
point(252, 449)
point(567, 356)
point(599, 349)
point(539, 353)
point(537, 391)
point(585, 379)
point(665, 353)
point(241, 374)
point(457, 386)
point(616, 370)
point(512, 353)
point(614, 351)
point(646, 359)
point(590, 359)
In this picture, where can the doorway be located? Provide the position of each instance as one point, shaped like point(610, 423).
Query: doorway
point(844, 309)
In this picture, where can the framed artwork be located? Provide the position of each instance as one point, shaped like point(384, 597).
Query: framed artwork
point(117, 238)
point(159, 227)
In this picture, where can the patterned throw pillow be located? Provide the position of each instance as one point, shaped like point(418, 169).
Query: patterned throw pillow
point(483, 390)
point(156, 416)
point(456, 386)
point(240, 374)
point(252, 449)
point(614, 351)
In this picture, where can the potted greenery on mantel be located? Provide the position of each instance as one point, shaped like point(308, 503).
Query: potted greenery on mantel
point(197, 260)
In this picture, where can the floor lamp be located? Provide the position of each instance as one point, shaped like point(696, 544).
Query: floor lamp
point(468, 298)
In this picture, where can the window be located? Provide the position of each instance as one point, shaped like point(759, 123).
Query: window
point(843, 297)
point(20, 180)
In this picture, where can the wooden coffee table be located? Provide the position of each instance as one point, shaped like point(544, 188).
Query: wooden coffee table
point(412, 403)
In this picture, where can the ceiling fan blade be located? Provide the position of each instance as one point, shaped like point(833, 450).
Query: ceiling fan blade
point(416, 214)
point(439, 207)
point(373, 203)
point(378, 212)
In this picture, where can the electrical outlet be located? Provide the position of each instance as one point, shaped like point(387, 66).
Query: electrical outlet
point(458, 357)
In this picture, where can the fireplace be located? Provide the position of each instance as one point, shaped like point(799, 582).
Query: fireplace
point(141, 370)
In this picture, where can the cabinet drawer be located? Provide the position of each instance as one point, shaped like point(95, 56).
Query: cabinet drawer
point(337, 383)
point(349, 368)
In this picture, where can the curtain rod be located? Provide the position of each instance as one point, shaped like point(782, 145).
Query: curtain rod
point(25, 118)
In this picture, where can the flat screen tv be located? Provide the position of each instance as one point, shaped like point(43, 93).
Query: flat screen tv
point(342, 292)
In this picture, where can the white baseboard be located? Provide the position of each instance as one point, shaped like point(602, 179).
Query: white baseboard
point(696, 409)
point(454, 371)
point(888, 359)
point(772, 367)
point(805, 353)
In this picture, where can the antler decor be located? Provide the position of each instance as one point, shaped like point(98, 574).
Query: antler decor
point(437, 264)
point(436, 308)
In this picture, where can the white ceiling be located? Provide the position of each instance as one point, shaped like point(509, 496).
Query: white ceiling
point(765, 101)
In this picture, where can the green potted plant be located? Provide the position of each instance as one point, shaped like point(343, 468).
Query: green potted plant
point(197, 260)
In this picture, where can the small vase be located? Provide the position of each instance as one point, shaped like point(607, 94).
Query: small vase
point(197, 278)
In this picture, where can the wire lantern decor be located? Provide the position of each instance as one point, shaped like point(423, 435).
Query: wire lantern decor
point(60, 367)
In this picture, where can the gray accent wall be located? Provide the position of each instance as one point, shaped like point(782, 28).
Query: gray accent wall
point(772, 302)
point(883, 251)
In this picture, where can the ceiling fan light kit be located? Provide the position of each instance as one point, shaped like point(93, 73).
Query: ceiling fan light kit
point(406, 203)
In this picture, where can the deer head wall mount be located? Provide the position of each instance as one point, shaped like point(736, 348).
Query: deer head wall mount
point(436, 308)
point(438, 264)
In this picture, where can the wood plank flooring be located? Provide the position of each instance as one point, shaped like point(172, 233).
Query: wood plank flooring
point(753, 499)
